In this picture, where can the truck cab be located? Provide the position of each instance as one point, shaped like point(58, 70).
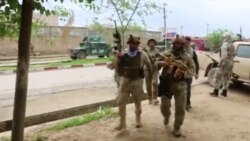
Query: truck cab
point(242, 68)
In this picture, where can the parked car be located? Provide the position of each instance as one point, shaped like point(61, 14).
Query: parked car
point(161, 45)
point(241, 70)
point(93, 44)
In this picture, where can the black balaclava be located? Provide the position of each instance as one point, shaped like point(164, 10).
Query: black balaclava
point(177, 50)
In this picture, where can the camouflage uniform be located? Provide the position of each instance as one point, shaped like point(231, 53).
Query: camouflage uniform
point(170, 86)
point(131, 82)
point(152, 81)
point(225, 68)
point(189, 79)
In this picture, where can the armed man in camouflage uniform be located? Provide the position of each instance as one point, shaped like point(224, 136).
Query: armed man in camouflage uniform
point(130, 67)
point(225, 67)
point(152, 84)
point(172, 83)
point(189, 78)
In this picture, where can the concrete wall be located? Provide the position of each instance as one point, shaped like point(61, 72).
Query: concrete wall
point(57, 40)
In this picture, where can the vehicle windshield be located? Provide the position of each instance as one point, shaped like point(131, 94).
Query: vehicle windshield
point(243, 51)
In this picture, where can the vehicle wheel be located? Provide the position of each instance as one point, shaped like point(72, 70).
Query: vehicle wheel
point(212, 76)
point(110, 54)
point(101, 56)
point(81, 55)
point(73, 57)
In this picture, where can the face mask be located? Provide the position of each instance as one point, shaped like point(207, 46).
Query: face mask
point(133, 49)
point(177, 50)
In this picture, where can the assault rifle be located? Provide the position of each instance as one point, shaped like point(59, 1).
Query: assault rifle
point(117, 37)
point(173, 62)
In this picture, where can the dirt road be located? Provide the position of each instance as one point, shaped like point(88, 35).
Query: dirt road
point(211, 119)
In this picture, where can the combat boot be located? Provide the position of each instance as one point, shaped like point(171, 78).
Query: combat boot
point(215, 93)
point(122, 124)
point(224, 93)
point(138, 121)
point(165, 121)
point(188, 107)
point(177, 133)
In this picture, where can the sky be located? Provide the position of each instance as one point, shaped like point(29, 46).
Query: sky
point(196, 17)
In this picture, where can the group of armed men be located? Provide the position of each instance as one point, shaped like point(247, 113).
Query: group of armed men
point(177, 65)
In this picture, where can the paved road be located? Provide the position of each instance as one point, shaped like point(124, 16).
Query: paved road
point(43, 60)
point(48, 82)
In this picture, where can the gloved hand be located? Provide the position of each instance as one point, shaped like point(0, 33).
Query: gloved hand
point(118, 54)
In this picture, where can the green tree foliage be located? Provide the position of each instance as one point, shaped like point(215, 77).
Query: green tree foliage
point(124, 11)
point(10, 15)
point(19, 16)
point(215, 38)
point(136, 28)
point(96, 26)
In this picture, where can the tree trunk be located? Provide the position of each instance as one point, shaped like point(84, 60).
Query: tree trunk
point(22, 71)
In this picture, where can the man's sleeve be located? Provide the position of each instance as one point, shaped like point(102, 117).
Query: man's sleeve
point(191, 66)
point(196, 62)
point(146, 62)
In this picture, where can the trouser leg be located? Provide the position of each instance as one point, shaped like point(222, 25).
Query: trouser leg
point(189, 83)
point(155, 88)
point(123, 94)
point(165, 108)
point(149, 87)
point(180, 101)
point(137, 94)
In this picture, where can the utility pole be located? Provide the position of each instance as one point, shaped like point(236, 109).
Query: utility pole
point(165, 27)
point(207, 28)
point(181, 30)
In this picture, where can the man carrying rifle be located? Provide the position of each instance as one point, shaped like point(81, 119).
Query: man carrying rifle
point(189, 78)
point(130, 69)
point(152, 84)
point(177, 63)
point(116, 50)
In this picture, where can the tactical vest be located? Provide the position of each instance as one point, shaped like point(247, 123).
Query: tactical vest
point(131, 68)
point(169, 71)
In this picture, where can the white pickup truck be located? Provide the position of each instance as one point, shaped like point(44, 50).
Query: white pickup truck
point(241, 71)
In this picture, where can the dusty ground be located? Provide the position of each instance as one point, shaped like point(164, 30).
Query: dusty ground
point(211, 119)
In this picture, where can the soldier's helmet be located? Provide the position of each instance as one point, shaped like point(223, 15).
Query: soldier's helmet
point(152, 40)
point(133, 39)
point(227, 37)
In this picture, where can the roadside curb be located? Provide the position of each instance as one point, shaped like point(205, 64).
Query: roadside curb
point(57, 68)
point(69, 112)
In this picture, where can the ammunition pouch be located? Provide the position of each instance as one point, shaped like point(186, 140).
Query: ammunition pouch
point(133, 73)
point(131, 67)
